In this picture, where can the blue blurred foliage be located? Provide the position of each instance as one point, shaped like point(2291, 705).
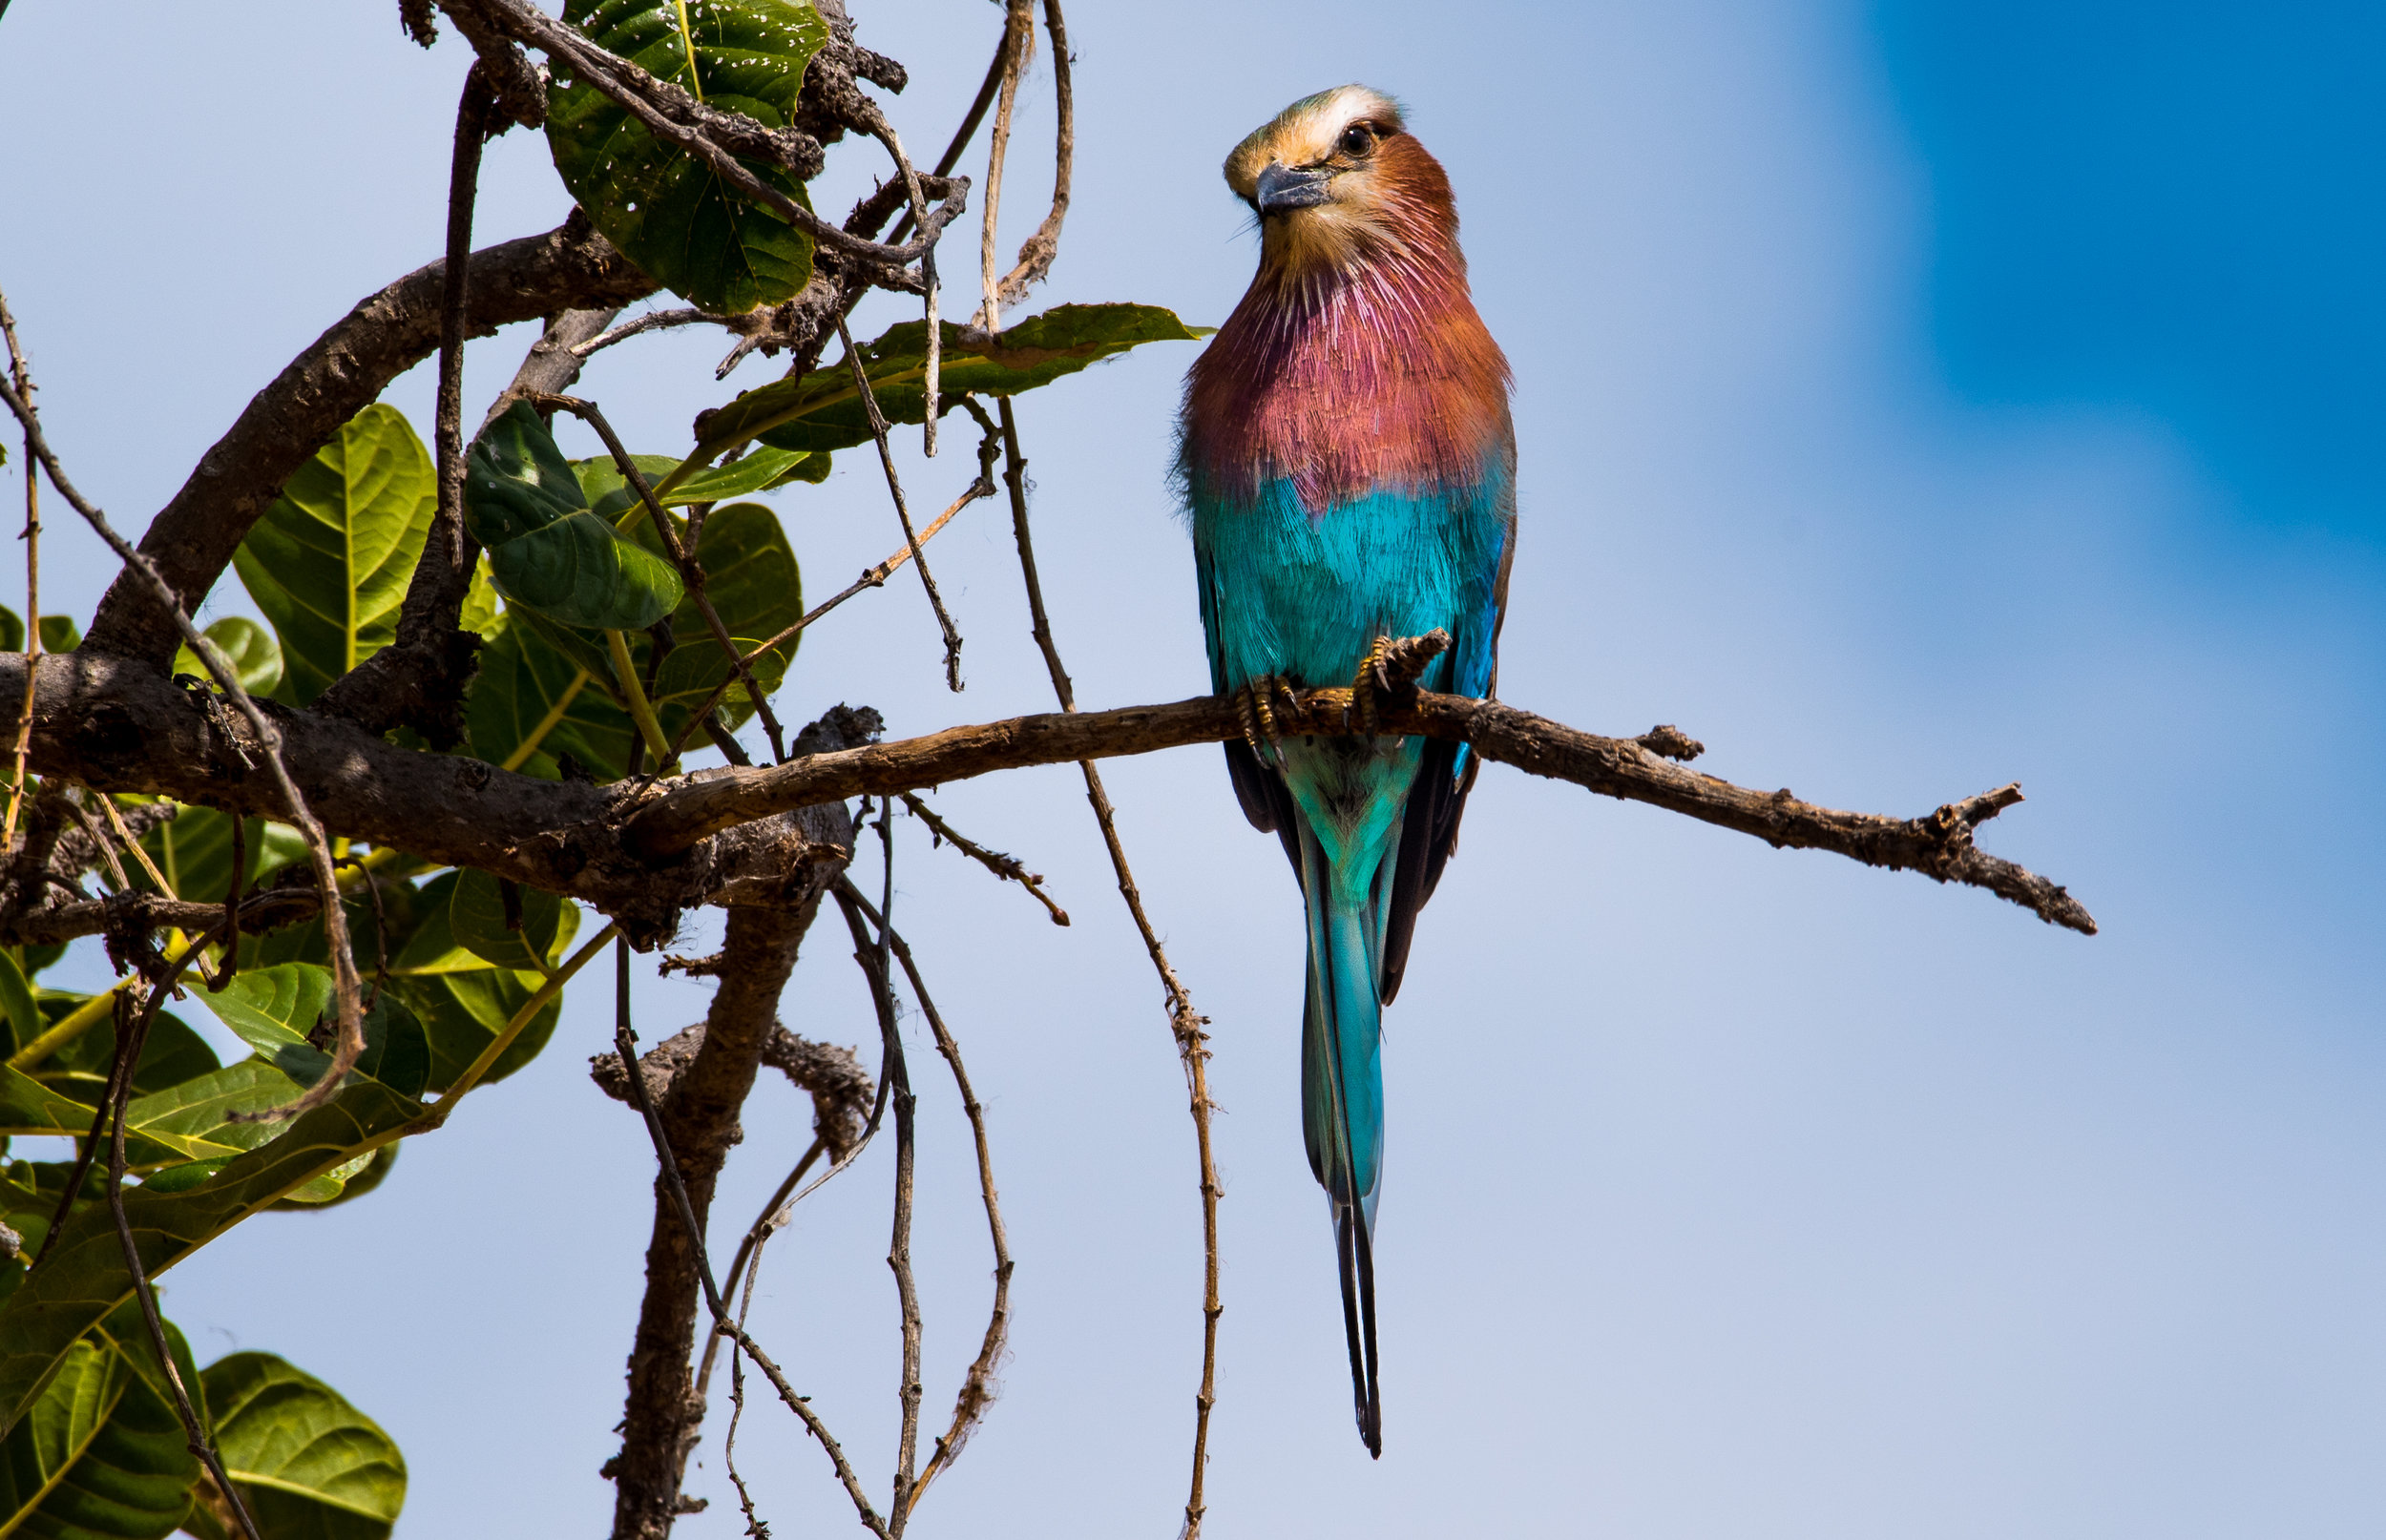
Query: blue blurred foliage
point(2180, 207)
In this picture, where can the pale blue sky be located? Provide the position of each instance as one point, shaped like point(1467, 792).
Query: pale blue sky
point(1879, 423)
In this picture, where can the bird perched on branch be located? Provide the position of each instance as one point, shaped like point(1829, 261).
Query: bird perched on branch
point(1347, 463)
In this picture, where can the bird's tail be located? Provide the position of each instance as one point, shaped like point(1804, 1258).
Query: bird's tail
point(1342, 1098)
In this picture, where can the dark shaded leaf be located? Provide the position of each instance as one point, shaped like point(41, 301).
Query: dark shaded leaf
point(546, 552)
point(101, 1455)
point(669, 212)
point(274, 1010)
point(476, 916)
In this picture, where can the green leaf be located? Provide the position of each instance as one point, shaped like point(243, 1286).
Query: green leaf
point(255, 656)
point(478, 917)
point(195, 1110)
point(274, 1011)
point(761, 471)
point(823, 411)
point(82, 1278)
point(523, 681)
point(546, 552)
point(307, 1462)
point(668, 211)
point(329, 562)
point(19, 1016)
point(463, 1012)
point(479, 614)
point(101, 1452)
point(59, 633)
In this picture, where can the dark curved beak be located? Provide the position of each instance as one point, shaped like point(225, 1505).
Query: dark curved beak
point(1282, 187)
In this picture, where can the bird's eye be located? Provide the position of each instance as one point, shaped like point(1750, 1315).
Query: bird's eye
point(1356, 140)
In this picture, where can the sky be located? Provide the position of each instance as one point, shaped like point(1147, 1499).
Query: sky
point(1910, 399)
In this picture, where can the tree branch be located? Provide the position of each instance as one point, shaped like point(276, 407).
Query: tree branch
point(340, 374)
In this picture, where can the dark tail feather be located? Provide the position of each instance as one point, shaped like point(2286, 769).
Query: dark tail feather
point(1358, 1322)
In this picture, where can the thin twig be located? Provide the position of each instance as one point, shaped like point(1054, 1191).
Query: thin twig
point(755, 1527)
point(24, 377)
point(625, 1043)
point(1018, 34)
point(894, 488)
point(1006, 867)
point(351, 1041)
point(471, 131)
point(194, 1430)
point(1185, 1023)
point(773, 1215)
point(652, 321)
point(977, 1386)
point(872, 577)
point(691, 570)
point(1037, 253)
point(899, 1245)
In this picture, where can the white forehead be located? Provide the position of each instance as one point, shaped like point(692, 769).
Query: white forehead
point(1304, 133)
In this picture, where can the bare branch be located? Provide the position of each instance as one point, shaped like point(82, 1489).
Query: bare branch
point(1185, 1023)
point(1006, 867)
point(903, 513)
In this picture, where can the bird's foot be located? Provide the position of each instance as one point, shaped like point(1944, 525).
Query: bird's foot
point(1255, 707)
point(1390, 670)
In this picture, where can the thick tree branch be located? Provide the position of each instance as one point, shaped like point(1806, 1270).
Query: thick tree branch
point(720, 836)
point(345, 370)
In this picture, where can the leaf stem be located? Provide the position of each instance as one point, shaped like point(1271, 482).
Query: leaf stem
point(547, 723)
point(640, 710)
point(522, 1018)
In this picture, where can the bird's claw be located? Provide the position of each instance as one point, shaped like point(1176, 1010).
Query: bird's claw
point(1254, 706)
point(1371, 677)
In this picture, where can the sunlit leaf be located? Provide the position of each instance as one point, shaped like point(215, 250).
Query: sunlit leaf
point(329, 562)
point(307, 1462)
point(82, 1277)
point(760, 471)
point(522, 939)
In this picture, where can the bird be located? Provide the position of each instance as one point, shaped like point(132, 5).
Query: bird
point(1346, 459)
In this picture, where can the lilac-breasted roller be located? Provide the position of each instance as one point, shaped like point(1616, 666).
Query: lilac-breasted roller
point(1349, 469)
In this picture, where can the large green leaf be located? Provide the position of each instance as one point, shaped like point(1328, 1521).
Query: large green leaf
point(465, 1003)
point(823, 411)
point(525, 939)
point(101, 1454)
point(669, 212)
point(330, 560)
point(546, 552)
point(82, 1278)
point(522, 683)
point(255, 656)
point(309, 1466)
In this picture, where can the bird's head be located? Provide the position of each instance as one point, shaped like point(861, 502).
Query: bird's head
point(1336, 176)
